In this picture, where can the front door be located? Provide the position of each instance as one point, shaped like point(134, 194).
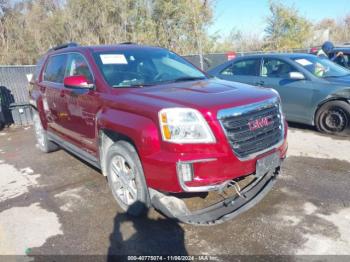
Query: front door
point(296, 95)
point(82, 106)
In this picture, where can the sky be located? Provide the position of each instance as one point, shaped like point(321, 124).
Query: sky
point(250, 15)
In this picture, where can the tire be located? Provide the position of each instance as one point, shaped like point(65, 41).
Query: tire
point(126, 179)
point(43, 143)
point(333, 118)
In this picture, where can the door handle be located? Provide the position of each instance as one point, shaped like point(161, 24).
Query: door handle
point(260, 83)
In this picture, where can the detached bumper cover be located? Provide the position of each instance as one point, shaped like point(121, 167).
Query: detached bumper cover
point(220, 212)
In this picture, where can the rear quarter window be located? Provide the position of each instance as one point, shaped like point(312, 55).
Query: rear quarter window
point(38, 68)
point(55, 68)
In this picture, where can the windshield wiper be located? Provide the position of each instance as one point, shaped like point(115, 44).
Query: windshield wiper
point(180, 79)
point(132, 86)
point(188, 78)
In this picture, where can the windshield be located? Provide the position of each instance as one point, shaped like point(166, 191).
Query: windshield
point(321, 67)
point(142, 67)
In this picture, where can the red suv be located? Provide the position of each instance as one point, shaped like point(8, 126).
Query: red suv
point(157, 126)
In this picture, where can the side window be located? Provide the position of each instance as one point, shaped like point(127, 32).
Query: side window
point(342, 60)
point(38, 67)
point(77, 65)
point(347, 60)
point(55, 68)
point(276, 68)
point(227, 71)
point(249, 67)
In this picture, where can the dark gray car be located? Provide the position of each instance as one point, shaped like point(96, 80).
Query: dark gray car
point(313, 90)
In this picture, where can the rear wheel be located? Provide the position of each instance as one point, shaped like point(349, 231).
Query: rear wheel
point(43, 143)
point(334, 118)
point(126, 178)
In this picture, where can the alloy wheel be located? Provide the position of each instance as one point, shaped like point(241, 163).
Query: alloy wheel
point(123, 180)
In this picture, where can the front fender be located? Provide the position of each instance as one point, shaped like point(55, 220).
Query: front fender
point(338, 94)
point(342, 94)
point(141, 130)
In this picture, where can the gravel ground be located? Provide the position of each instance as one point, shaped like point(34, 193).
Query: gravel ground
point(54, 204)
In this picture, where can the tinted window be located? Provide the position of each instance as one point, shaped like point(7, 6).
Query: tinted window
point(276, 68)
point(55, 68)
point(249, 67)
point(77, 65)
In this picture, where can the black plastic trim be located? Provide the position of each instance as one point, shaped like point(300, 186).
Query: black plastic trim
point(74, 149)
point(221, 211)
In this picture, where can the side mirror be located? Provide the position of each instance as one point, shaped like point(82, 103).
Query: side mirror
point(296, 76)
point(79, 81)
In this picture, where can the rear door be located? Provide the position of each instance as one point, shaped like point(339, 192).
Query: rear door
point(296, 95)
point(52, 91)
point(242, 70)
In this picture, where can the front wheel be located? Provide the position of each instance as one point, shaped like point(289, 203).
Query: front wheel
point(126, 178)
point(334, 118)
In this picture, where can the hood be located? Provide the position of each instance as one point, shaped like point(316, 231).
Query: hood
point(205, 95)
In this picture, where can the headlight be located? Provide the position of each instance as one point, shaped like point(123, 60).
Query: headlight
point(184, 125)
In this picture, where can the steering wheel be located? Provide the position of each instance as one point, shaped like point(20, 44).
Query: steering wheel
point(160, 76)
point(137, 75)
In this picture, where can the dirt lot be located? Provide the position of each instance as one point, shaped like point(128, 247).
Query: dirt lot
point(56, 204)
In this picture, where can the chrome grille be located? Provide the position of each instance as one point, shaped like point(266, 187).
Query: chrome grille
point(253, 129)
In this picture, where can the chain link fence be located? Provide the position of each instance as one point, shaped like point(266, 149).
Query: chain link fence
point(212, 60)
point(14, 99)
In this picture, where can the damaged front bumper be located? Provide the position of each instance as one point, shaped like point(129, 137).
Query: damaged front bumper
point(221, 211)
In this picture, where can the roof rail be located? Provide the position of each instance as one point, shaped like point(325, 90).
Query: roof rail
point(128, 43)
point(71, 44)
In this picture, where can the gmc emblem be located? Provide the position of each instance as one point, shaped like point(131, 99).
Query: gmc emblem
point(259, 123)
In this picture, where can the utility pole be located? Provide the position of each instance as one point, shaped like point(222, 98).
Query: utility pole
point(198, 38)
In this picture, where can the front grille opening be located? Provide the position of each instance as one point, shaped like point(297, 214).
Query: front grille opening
point(254, 131)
